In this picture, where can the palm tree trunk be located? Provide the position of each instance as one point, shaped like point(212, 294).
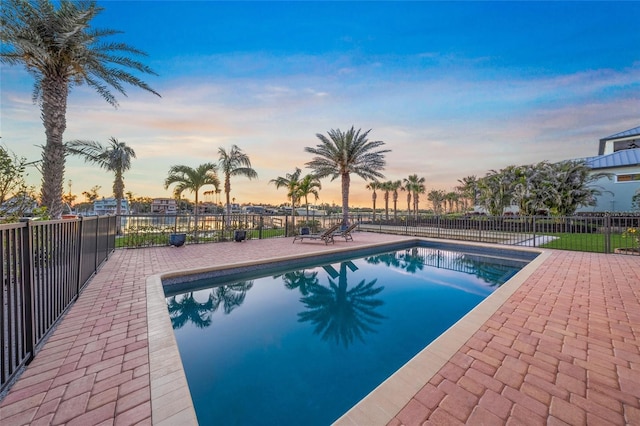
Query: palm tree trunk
point(227, 191)
point(395, 207)
point(293, 216)
point(195, 233)
point(346, 180)
point(374, 196)
point(54, 108)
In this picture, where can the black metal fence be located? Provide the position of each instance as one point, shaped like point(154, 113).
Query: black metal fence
point(597, 233)
point(155, 230)
point(603, 234)
point(44, 266)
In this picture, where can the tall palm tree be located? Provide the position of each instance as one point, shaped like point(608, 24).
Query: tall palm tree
point(290, 181)
point(417, 191)
point(417, 187)
point(61, 50)
point(343, 153)
point(394, 186)
point(114, 157)
point(190, 179)
point(234, 163)
point(408, 186)
point(309, 185)
point(385, 187)
point(374, 185)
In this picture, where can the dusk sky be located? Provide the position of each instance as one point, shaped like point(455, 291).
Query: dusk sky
point(453, 88)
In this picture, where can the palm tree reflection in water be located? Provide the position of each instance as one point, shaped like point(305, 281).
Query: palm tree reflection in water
point(338, 312)
point(184, 308)
point(492, 271)
point(301, 280)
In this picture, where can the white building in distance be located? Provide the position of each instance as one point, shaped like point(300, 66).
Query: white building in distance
point(619, 155)
point(107, 206)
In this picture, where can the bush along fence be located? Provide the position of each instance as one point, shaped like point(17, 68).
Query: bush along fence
point(596, 233)
point(44, 266)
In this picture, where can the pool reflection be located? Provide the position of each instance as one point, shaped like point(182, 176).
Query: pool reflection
point(340, 313)
point(185, 308)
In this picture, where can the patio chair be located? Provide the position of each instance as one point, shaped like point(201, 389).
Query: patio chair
point(346, 233)
point(326, 235)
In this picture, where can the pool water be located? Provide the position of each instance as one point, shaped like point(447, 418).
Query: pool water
point(303, 345)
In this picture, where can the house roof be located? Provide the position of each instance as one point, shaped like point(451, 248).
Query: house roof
point(621, 135)
point(631, 132)
point(623, 158)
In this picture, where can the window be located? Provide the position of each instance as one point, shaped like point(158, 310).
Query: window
point(620, 145)
point(628, 177)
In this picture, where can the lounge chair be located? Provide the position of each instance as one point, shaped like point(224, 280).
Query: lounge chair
point(326, 235)
point(346, 233)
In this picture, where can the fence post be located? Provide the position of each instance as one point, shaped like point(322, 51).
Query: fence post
point(80, 246)
point(27, 302)
point(607, 233)
point(261, 226)
point(534, 231)
point(286, 225)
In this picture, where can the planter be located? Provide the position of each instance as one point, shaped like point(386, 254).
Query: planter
point(631, 251)
point(239, 235)
point(177, 239)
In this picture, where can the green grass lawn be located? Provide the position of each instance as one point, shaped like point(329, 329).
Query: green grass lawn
point(587, 242)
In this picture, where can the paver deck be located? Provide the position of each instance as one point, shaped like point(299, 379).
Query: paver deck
point(563, 349)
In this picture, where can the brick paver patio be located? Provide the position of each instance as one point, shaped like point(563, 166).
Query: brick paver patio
point(563, 349)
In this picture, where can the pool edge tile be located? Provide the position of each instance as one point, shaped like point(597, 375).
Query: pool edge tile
point(164, 358)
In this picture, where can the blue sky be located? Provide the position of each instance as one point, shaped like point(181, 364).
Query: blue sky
point(453, 88)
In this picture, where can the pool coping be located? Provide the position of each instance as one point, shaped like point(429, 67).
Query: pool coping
point(171, 401)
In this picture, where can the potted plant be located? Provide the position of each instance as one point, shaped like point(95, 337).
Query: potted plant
point(239, 235)
point(176, 238)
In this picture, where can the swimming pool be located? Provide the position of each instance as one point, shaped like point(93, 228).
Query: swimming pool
point(301, 343)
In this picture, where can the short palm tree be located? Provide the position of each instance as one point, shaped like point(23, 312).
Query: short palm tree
point(451, 198)
point(233, 163)
point(290, 181)
point(309, 185)
point(469, 188)
point(114, 157)
point(437, 197)
point(61, 50)
point(190, 179)
point(343, 153)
